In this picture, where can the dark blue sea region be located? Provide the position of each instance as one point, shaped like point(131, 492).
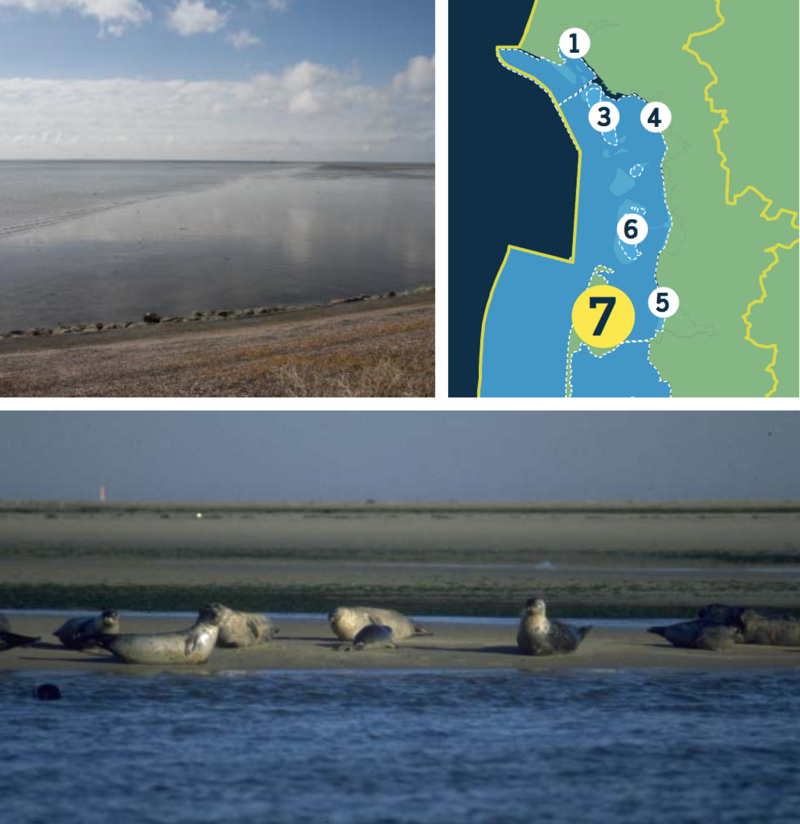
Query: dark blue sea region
point(617, 746)
point(528, 322)
point(629, 371)
point(487, 203)
point(108, 242)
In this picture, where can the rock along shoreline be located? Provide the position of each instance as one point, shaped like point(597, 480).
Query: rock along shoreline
point(198, 316)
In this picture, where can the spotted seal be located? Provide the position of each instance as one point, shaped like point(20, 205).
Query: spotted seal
point(189, 646)
point(347, 622)
point(701, 634)
point(243, 629)
point(755, 627)
point(538, 635)
point(84, 633)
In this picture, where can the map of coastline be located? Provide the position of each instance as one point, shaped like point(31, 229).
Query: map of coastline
point(532, 300)
point(722, 219)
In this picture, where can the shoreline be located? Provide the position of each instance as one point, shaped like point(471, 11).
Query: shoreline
point(310, 645)
point(153, 319)
point(362, 347)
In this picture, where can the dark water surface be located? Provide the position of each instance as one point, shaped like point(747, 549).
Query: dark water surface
point(83, 242)
point(588, 745)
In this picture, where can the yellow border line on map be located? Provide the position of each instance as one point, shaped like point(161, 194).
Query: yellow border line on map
point(539, 83)
point(723, 121)
point(752, 303)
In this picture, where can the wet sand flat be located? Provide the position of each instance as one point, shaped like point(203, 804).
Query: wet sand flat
point(310, 645)
point(426, 559)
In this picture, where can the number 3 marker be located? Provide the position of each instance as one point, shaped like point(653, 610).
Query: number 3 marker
point(604, 116)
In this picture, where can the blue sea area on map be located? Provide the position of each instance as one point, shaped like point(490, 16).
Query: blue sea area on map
point(625, 372)
point(530, 315)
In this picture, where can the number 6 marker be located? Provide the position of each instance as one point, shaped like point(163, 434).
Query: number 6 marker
point(632, 229)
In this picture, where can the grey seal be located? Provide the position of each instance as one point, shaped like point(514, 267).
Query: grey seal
point(705, 635)
point(189, 646)
point(538, 635)
point(347, 622)
point(243, 629)
point(84, 633)
point(755, 627)
point(376, 636)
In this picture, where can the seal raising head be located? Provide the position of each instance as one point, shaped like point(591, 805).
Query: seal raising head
point(190, 646)
point(84, 633)
point(538, 635)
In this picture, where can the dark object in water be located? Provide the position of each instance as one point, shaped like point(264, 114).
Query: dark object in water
point(706, 635)
point(9, 640)
point(151, 317)
point(47, 692)
point(755, 627)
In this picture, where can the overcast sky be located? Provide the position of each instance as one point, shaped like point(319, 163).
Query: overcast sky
point(217, 79)
point(398, 456)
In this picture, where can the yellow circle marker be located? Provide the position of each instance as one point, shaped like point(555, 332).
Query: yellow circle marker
point(603, 316)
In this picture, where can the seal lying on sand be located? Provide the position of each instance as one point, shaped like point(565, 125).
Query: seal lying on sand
point(188, 646)
point(755, 627)
point(84, 633)
point(347, 622)
point(539, 636)
point(242, 629)
point(701, 634)
point(9, 640)
point(374, 636)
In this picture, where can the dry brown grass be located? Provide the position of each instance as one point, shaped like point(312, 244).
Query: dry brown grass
point(380, 350)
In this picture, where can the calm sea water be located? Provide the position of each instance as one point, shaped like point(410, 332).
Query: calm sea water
point(109, 241)
point(606, 746)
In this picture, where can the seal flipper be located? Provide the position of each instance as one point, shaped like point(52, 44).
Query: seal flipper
point(584, 631)
point(418, 630)
point(9, 640)
point(662, 631)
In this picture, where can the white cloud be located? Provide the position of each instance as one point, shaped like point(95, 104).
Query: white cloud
point(308, 111)
point(114, 16)
point(278, 5)
point(418, 79)
point(195, 17)
point(242, 39)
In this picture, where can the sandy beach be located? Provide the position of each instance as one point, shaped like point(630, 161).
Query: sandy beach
point(310, 645)
point(382, 348)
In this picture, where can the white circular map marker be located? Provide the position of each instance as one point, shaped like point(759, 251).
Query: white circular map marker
point(663, 302)
point(632, 229)
point(656, 117)
point(604, 116)
point(574, 43)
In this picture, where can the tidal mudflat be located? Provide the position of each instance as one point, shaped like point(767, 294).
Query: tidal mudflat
point(107, 242)
point(446, 559)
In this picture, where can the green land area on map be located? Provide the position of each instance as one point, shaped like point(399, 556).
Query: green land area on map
point(715, 253)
